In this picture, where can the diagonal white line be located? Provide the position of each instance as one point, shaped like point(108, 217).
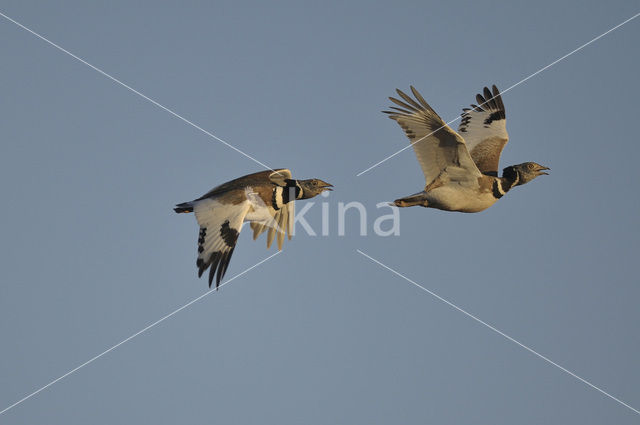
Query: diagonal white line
point(513, 86)
point(136, 91)
point(499, 332)
point(134, 335)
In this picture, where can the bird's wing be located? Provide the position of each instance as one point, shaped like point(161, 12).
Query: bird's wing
point(284, 224)
point(282, 218)
point(220, 226)
point(279, 176)
point(436, 145)
point(484, 128)
point(280, 223)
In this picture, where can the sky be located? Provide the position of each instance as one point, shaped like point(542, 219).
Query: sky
point(92, 251)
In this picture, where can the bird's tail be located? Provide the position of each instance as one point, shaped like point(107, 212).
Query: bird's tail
point(412, 200)
point(185, 207)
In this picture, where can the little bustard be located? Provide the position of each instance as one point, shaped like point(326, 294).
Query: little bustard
point(265, 199)
point(460, 169)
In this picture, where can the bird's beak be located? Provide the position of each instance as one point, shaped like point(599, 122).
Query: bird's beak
point(542, 173)
point(325, 185)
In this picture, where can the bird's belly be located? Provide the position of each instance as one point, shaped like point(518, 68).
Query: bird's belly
point(460, 199)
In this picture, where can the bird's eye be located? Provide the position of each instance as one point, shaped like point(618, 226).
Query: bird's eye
point(530, 166)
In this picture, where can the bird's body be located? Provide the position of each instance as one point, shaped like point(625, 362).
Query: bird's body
point(463, 196)
point(265, 199)
point(461, 173)
point(455, 190)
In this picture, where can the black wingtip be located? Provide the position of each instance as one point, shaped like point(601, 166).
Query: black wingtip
point(200, 266)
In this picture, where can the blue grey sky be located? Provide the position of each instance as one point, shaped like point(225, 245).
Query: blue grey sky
point(92, 251)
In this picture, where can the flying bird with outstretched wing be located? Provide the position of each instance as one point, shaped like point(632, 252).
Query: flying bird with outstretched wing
point(460, 168)
point(264, 199)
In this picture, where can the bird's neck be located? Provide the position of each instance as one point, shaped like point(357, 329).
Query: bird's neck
point(282, 195)
point(292, 191)
point(504, 184)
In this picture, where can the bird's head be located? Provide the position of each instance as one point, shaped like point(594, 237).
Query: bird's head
point(525, 172)
point(313, 187)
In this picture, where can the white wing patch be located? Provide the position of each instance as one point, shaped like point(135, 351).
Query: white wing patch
point(477, 125)
point(483, 121)
point(484, 129)
point(220, 226)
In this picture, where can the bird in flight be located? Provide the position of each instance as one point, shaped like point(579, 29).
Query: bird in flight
point(460, 168)
point(264, 199)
